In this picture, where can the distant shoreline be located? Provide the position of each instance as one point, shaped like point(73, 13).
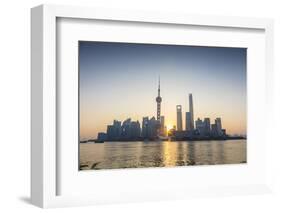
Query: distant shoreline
point(194, 139)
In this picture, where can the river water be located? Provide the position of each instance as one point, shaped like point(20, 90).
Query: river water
point(140, 154)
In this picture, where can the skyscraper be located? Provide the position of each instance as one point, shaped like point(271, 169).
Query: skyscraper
point(158, 100)
point(203, 127)
point(191, 112)
point(179, 118)
point(117, 128)
point(135, 130)
point(200, 126)
point(144, 132)
point(207, 124)
point(153, 127)
point(187, 121)
point(125, 129)
point(219, 126)
point(110, 132)
point(114, 131)
point(149, 128)
point(214, 130)
point(189, 117)
point(162, 125)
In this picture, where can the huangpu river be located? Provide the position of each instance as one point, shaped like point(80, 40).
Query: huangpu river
point(141, 154)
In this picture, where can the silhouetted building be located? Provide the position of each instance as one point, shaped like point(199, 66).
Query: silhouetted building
point(114, 131)
point(162, 126)
point(200, 127)
point(203, 127)
point(153, 126)
point(144, 132)
point(125, 129)
point(214, 130)
point(179, 118)
point(102, 136)
point(189, 119)
point(207, 125)
point(180, 135)
point(150, 128)
point(165, 133)
point(117, 128)
point(158, 100)
point(130, 130)
point(110, 132)
point(135, 130)
point(191, 111)
point(219, 126)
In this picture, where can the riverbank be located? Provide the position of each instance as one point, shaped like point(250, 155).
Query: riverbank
point(171, 139)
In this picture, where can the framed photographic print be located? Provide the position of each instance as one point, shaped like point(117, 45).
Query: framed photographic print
point(146, 105)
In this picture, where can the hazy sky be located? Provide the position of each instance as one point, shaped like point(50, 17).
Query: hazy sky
point(120, 80)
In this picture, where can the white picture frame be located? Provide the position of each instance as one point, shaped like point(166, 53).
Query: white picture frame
point(46, 162)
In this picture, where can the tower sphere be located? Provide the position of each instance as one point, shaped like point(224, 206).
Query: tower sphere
point(158, 99)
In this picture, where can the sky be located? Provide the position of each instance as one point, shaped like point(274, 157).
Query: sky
point(120, 81)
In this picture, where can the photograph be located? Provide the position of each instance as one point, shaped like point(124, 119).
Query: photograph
point(147, 105)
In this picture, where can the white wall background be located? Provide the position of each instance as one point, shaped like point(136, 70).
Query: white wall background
point(15, 103)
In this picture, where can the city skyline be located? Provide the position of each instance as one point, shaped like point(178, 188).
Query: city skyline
point(155, 129)
point(121, 86)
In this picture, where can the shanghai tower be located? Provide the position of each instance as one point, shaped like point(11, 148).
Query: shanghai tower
point(158, 100)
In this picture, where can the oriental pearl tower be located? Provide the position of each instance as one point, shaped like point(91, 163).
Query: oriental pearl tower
point(158, 100)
